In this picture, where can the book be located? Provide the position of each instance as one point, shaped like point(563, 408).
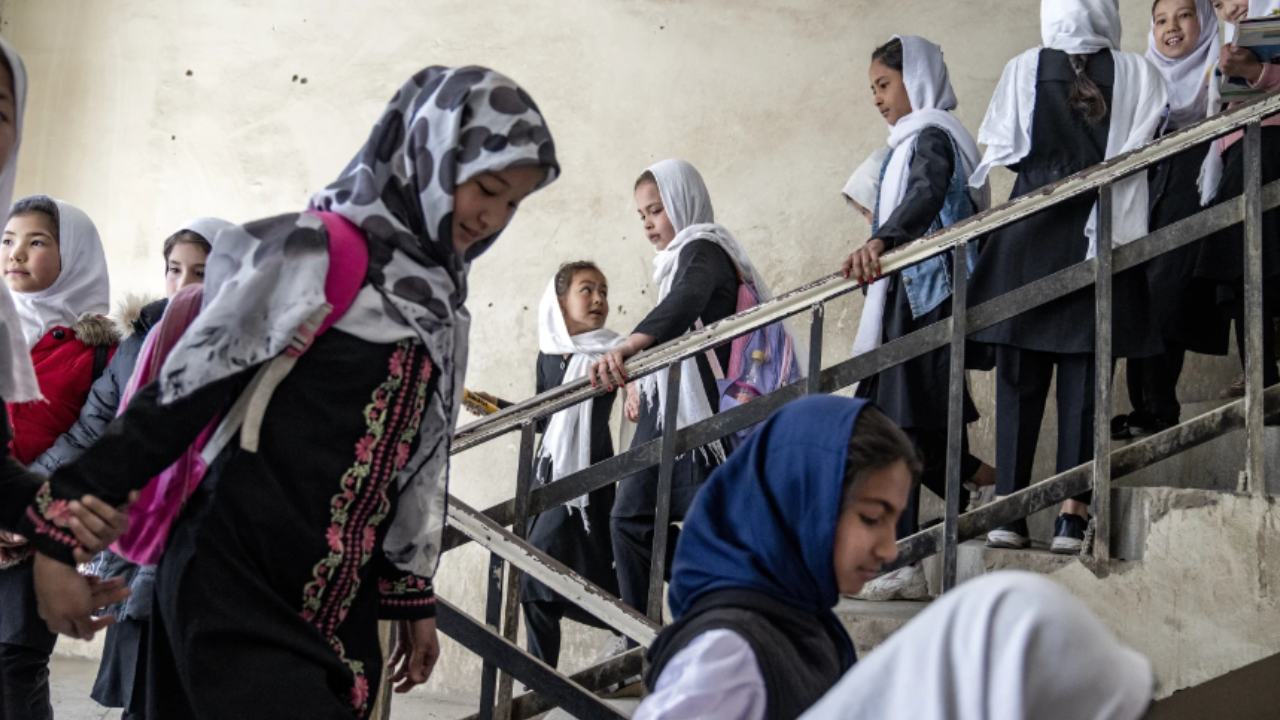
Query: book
point(1233, 89)
point(1258, 32)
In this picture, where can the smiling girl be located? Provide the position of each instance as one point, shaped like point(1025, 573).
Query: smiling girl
point(285, 557)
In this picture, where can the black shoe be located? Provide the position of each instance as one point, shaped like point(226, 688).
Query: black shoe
point(1144, 425)
point(1012, 536)
point(1120, 428)
point(1068, 534)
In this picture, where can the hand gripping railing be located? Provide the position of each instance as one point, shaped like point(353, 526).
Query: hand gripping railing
point(508, 547)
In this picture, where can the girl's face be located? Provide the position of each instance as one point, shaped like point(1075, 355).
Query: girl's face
point(586, 305)
point(29, 253)
point(483, 205)
point(1231, 11)
point(890, 92)
point(184, 267)
point(1176, 27)
point(865, 536)
point(8, 114)
point(657, 224)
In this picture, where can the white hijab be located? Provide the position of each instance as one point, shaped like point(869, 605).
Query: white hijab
point(17, 376)
point(1007, 646)
point(1187, 78)
point(688, 204)
point(1080, 27)
point(567, 439)
point(83, 286)
point(928, 83)
point(864, 184)
point(207, 227)
point(1211, 169)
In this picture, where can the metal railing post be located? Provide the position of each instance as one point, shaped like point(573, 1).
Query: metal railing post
point(662, 513)
point(1253, 310)
point(511, 605)
point(955, 415)
point(492, 618)
point(813, 379)
point(1102, 317)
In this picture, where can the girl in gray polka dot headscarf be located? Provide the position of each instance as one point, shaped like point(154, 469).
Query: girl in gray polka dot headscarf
point(335, 520)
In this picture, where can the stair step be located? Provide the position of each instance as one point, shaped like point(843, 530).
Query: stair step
point(871, 623)
point(1215, 465)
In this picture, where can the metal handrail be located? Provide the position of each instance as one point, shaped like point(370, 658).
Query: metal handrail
point(833, 286)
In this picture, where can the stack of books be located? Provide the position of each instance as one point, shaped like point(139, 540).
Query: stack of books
point(1262, 36)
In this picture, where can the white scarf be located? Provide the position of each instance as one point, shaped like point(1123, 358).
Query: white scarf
point(17, 376)
point(1187, 78)
point(1080, 27)
point(1006, 646)
point(688, 205)
point(1211, 168)
point(444, 127)
point(83, 285)
point(924, 72)
point(864, 184)
point(207, 227)
point(567, 439)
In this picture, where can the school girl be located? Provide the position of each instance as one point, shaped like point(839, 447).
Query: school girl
point(97, 524)
point(1059, 109)
point(571, 336)
point(1183, 46)
point(1221, 259)
point(56, 269)
point(803, 512)
point(699, 266)
point(925, 188)
point(185, 255)
point(285, 557)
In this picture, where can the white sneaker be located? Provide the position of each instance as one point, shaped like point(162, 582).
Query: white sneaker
point(616, 646)
point(905, 583)
point(980, 496)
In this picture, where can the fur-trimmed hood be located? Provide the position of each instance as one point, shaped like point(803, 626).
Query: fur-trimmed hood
point(137, 314)
point(94, 330)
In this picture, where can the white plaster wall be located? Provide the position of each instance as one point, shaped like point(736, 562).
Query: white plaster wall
point(147, 113)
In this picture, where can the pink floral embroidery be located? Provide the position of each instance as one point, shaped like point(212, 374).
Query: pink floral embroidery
point(397, 363)
point(370, 537)
point(360, 692)
point(402, 455)
point(58, 513)
point(334, 536)
point(364, 448)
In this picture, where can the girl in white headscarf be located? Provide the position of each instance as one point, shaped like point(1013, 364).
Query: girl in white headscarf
point(571, 336)
point(1057, 110)
point(698, 269)
point(924, 188)
point(1005, 646)
point(864, 184)
point(1221, 260)
point(1183, 46)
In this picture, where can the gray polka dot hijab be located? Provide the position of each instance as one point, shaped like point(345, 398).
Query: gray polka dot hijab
point(444, 127)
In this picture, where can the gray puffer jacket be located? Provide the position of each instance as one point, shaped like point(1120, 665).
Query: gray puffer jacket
point(99, 410)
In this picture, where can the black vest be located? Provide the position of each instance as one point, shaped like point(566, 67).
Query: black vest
point(801, 656)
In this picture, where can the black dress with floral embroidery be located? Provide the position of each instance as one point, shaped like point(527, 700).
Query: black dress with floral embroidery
point(273, 580)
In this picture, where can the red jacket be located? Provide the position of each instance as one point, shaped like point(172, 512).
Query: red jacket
point(63, 361)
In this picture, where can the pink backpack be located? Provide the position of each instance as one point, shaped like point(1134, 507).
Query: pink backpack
point(161, 501)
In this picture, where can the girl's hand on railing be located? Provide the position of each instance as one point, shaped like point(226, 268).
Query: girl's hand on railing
point(610, 370)
point(863, 264)
point(632, 406)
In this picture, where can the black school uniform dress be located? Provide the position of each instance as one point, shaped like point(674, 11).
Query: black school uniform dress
point(1183, 307)
point(915, 394)
point(584, 547)
point(1221, 259)
point(1060, 333)
point(273, 580)
point(706, 288)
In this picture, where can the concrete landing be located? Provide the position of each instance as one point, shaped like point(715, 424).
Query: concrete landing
point(871, 623)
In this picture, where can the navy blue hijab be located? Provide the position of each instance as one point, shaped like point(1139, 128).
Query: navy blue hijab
point(766, 519)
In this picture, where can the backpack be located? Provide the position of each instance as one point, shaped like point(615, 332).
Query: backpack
point(162, 500)
point(778, 366)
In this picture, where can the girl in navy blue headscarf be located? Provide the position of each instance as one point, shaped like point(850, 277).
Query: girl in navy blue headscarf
point(803, 512)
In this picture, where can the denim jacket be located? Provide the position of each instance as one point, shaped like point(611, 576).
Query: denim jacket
point(928, 283)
